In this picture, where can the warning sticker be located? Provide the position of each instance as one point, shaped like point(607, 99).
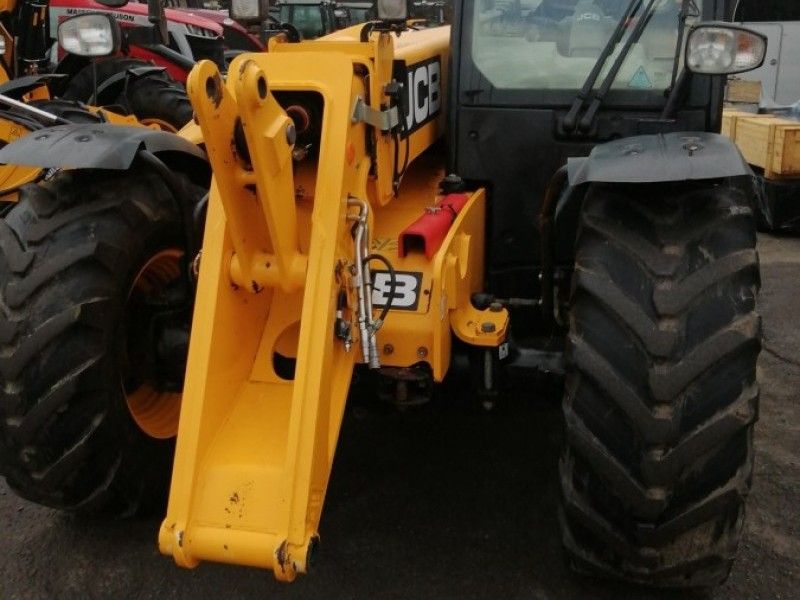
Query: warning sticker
point(640, 80)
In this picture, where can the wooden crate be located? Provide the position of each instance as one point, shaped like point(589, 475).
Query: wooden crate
point(730, 117)
point(742, 90)
point(770, 143)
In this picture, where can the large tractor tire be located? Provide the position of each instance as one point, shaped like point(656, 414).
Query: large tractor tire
point(661, 394)
point(154, 98)
point(92, 309)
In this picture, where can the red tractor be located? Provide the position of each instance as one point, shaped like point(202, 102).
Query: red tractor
point(173, 38)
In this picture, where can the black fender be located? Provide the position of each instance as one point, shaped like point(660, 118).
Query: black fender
point(17, 88)
point(660, 158)
point(645, 159)
point(105, 146)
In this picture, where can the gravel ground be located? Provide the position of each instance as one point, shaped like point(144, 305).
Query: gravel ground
point(441, 503)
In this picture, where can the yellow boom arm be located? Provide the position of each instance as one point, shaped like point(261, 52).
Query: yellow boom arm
point(283, 310)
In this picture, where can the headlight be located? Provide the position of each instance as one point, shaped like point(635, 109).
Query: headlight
point(92, 34)
point(723, 49)
point(392, 10)
point(249, 10)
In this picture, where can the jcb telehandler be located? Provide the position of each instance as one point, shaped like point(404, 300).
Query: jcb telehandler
point(385, 197)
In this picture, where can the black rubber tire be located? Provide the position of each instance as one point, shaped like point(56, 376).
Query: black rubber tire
point(154, 96)
point(69, 252)
point(661, 393)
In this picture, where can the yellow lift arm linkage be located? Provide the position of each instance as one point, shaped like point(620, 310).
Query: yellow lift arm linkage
point(283, 267)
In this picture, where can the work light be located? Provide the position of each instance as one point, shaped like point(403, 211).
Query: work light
point(91, 34)
point(393, 11)
point(249, 10)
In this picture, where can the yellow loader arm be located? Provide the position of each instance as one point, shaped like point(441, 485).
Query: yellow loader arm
point(284, 302)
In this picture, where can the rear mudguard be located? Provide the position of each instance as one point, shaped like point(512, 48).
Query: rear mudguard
point(104, 146)
point(646, 159)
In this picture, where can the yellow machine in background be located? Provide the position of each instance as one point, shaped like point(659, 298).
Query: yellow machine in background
point(297, 205)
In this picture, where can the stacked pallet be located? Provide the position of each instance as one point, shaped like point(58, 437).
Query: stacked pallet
point(767, 142)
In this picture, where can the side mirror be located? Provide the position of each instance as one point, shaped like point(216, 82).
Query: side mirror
point(91, 34)
point(249, 10)
point(724, 49)
point(113, 3)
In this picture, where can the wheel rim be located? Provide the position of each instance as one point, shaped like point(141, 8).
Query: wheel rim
point(161, 124)
point(155, 411)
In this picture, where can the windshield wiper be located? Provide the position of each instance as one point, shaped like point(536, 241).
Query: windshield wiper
point(571, 119)
point(588, 118)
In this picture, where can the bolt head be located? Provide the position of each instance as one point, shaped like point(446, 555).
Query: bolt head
point(388, 349)
point(422, 352)
point(488, 327)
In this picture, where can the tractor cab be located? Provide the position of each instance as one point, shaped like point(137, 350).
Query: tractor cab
point(313, 18)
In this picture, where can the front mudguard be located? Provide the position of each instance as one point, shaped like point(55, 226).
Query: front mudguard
point(105, 146)
point(671, 157)
point(642, 160)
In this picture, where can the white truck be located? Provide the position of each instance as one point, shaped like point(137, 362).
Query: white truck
point(780, 74)
point(779, 20)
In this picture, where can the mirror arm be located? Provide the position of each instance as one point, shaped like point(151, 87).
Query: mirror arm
point(156, 14)
point(676, 94)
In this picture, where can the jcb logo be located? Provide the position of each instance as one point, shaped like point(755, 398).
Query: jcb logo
point(404, 296)
point(423, 86)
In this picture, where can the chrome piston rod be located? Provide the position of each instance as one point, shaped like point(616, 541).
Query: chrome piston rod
point(367, 327)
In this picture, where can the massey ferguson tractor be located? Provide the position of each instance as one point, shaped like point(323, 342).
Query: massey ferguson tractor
point(384, 199)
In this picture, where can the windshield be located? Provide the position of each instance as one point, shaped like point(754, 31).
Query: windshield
point(553, 44)
point(307, 18)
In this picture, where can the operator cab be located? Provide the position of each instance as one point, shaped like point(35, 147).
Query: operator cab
point(519, 69)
